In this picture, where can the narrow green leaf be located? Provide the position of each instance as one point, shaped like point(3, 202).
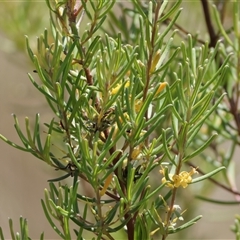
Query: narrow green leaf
point(130, 182)
point(143, 188)
point(221, 28)
point(139, 9)
point(199, 150)
point(218, 75)
point(111, 214)
point(30, 139)
point(58, 179)
point(19, 132)
point(46, 150)
point(49, 208)
point(54, 227)
point(216, 201)
point(184, 226)
point(13, 144)
point(120, 226)
point(152, 193)
point(208, 175)
point(119, 189)
point(203, 108)
point(11, 228)
point(208, 113)
point(42, 236)
point(62, 211)
point(197, 85)
point(30, 53)
point(174, 8)
point(160, 67)
point(165, 145)
point(1, 234)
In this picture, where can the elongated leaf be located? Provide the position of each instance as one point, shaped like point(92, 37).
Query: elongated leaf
point(186, 225)
point(217, 201)
point(50, 221)
point(199, 150)
point(210, 174)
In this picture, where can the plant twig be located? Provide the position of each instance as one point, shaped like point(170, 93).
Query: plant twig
point(213, 36)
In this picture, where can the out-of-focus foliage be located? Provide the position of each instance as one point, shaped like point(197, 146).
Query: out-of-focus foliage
point(18, 18)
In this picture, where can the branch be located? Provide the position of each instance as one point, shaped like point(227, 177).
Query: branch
point(212, 34)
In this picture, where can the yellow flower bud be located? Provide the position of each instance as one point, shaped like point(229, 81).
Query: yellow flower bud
point(140, 63)
point(138, 105)
point(161, 87)
point(136, 152)
point(106, 184)
point(155, 61)
point(116, 89)
point(127, 84)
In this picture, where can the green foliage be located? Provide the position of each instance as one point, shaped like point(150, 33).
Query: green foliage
point(19, 18)
point(236, 226)
point(125, 104)
point(23, 235)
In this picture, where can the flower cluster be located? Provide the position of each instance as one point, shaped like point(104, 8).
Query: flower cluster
point(176, 180)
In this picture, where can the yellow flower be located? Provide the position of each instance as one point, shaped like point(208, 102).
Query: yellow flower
point(181, 179)
point(116, 89)
point(127, 84)
point(118, 86)
point(138, 105)
point(169, 184)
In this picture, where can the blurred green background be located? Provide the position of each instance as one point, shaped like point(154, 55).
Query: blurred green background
point(23, 178)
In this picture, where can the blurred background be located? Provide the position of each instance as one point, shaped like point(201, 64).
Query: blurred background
point(22, 177)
